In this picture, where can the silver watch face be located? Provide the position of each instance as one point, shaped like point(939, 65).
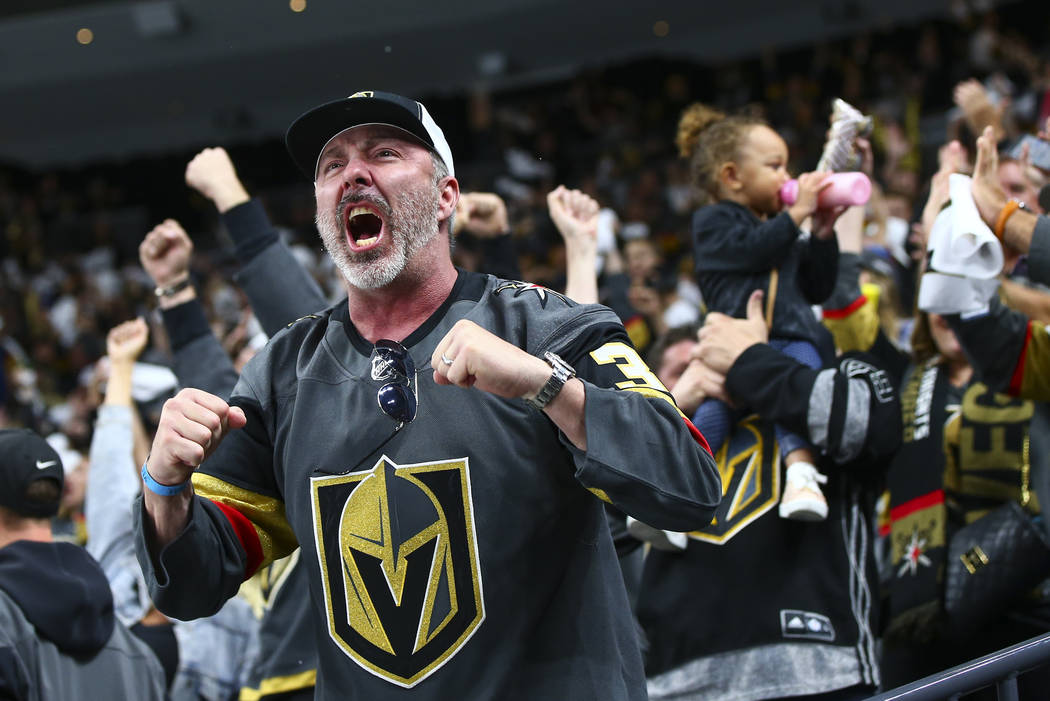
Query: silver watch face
point(561, 368)
point(561, 372)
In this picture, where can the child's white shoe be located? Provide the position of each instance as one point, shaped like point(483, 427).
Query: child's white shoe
point(671, 541)
point(802, 499)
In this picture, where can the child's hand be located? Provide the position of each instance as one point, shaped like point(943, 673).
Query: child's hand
point(810, 186)
point(824, 221)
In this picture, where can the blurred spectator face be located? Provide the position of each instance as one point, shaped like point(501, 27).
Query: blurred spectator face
point(897, 205)
point(1017, 185)
point(762, 165)
point(674, 361)
point(944, 339)
point(74, 488)
point(642, 259)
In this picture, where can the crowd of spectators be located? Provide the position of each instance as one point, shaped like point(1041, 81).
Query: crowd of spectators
point(70, 238)
point(69, 241)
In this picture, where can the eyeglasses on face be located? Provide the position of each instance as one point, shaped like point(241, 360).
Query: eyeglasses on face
point(392, 364)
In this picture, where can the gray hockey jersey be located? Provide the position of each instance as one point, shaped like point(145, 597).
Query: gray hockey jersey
point(466, 555)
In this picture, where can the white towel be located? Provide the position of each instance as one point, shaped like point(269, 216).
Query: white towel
point(961, 243)
point(951, 294)
point(965, 257)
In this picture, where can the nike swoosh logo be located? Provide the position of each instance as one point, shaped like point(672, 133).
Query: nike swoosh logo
point(45, 465)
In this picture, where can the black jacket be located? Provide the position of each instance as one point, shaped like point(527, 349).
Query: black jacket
point(734, 252)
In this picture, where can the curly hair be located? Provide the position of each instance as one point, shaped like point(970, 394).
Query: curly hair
point(709, 138)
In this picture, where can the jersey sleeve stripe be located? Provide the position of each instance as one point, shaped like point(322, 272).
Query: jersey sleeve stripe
point(280, 685)
point(697, 436)
point(1017, 379)
point(600, 493)
point(263, 513)
point(246, 534)
point(847, 310)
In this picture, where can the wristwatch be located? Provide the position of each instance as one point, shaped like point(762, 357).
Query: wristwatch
point(174, 289)
point(561, 372)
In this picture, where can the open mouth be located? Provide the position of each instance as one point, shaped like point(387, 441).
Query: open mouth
point(363, 227)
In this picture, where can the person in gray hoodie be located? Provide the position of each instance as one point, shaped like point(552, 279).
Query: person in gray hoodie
point(59, 638)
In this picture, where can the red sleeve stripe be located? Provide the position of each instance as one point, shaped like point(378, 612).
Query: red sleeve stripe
point(697, 436)
point(847, 310)
point(1018, 377)
point(247, 535)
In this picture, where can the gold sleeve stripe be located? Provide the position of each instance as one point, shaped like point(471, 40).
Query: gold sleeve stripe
point(857, 329)
point(654, 394)
point(265, 513)
point(1035, 383)
point(280, 685)
point(600, 493)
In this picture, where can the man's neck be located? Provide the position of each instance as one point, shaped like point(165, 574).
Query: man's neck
point(38, 530)
point(398, 309)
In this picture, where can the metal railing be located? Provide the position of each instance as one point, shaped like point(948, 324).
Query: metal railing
point(999, 669)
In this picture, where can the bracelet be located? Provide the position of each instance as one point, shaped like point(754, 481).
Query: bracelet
point(174, 289)
point(1004, 214)
point(165, 490)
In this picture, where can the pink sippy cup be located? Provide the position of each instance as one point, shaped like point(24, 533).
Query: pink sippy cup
point(845, 189)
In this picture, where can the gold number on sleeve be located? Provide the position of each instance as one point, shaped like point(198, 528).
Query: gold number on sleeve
point(639, 377)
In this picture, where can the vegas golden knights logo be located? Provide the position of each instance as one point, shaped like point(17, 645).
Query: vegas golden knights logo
point(399, 565)
point(749, 464)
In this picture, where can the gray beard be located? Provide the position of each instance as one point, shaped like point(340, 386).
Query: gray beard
point(412, 226)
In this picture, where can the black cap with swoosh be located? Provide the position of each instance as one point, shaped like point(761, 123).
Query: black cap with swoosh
point(25, 458)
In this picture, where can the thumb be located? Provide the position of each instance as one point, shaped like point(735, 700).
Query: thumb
point(755, 312)
point(235, 418)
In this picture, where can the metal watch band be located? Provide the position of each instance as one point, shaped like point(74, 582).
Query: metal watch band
point(174, 289)
point(561, 372)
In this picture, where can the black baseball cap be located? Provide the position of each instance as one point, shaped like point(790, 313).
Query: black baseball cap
point(311, 132)
point(25, 458)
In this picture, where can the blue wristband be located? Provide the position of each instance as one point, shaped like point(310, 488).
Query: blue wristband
point(162, 489)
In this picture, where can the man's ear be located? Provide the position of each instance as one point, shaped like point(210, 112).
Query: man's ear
point(729, 176)
point(449, 188)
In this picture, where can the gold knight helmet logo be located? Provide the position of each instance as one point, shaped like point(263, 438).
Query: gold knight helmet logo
point(399, 565)
point(749, 464)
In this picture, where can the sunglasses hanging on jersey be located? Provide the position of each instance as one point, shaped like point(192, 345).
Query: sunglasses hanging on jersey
point(392, 364)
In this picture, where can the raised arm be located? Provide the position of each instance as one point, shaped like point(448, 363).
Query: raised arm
point(1019, 229)
point(1009, 352)
point(279, 289)
point(113, 481)
point(630, 443)
point(978, 110)
point(200, 360)
point(575, 215)
point(484, 216)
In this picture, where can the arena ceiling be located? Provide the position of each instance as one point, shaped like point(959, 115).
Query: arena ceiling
point(162, 75)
